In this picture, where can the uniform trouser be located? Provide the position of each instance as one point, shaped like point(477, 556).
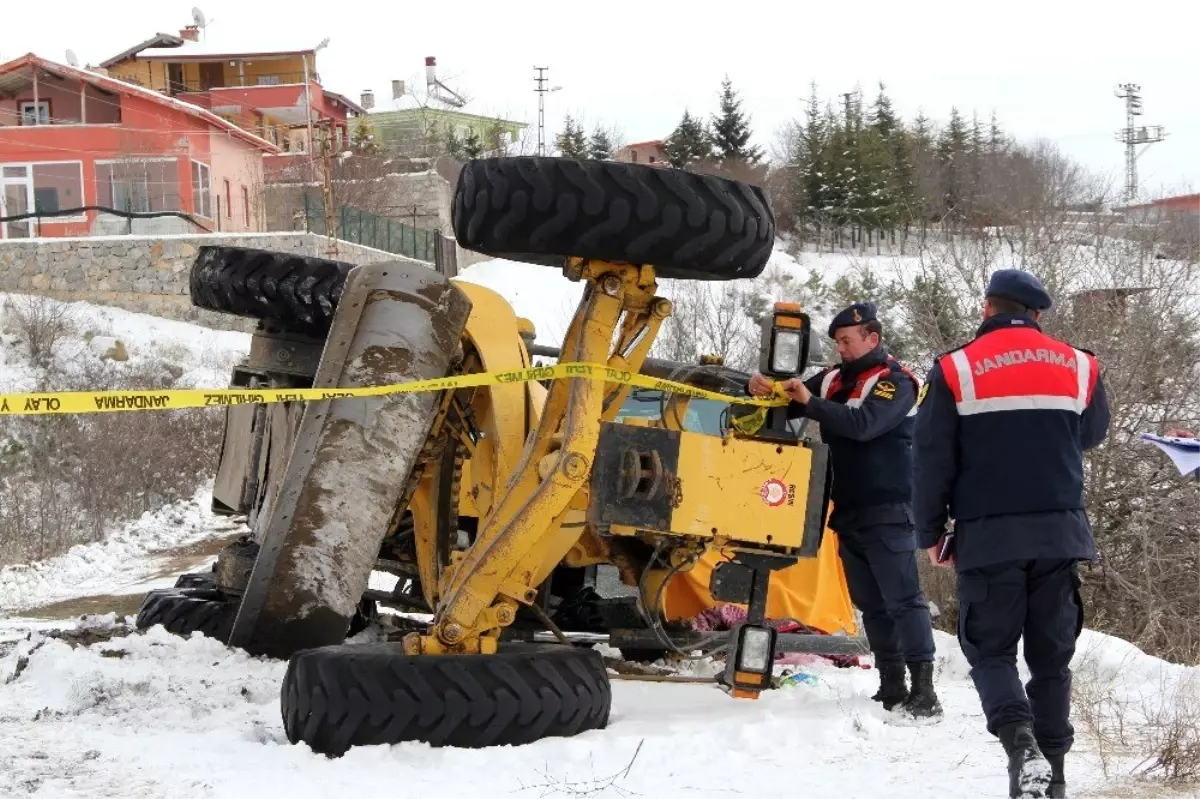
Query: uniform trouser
point(881, 572)
point(998, 604)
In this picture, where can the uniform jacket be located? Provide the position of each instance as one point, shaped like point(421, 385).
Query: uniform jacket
point(865, 410)
point(1002, 426)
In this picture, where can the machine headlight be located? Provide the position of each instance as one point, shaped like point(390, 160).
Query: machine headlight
point(755, 653)
point(748, 667)
point(785, 353)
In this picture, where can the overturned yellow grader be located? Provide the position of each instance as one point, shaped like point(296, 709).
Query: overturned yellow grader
point(500, 506)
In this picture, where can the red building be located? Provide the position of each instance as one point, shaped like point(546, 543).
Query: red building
point(273, 90)
point(71, 137)
point(1181, 207)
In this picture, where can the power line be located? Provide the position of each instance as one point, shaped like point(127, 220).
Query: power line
point(1131, 136)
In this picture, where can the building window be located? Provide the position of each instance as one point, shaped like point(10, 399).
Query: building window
point(35, 113)
point(246, 205)
point(138, 184)
point(57, 187)
point(228, 201)
point(202, 189)
point(47, 187)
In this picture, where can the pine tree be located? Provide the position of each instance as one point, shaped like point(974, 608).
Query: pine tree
point(572, 142)
point(926, 172)
point(901, 169)
point(363, 138)
point(731, 129)
point(976, 152)
point(810, 159)
point(952, 157)
point(688, 143)
point(600, 147)
point(883, 118)
point(472, 145)
point(450, 143)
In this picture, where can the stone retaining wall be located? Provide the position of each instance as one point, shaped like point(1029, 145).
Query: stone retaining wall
point(145, 274)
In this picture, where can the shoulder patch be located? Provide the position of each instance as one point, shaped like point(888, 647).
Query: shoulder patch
point(921, 394)
point(885, 389)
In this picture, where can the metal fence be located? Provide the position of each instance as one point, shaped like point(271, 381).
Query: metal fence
point(371, 230)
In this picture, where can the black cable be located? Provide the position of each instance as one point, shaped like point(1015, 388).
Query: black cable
point(655, 624)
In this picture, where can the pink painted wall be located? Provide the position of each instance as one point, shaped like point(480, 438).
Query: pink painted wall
point(239, 166)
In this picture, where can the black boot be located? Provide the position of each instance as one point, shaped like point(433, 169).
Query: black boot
point(922, 703)
point(1029, 773)
point(1058, 781)
point(892, 690)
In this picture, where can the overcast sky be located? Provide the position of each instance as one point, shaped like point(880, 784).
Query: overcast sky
point(1048, 68)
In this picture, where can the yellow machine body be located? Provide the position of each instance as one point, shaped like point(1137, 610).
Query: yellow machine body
point(544, 474)
point(721, 490)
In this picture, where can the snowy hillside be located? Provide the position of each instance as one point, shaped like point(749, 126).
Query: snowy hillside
point(200, 356)
point(153, 715)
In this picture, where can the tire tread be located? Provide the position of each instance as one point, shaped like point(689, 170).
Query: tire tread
point(337, 697)
point(543, 210)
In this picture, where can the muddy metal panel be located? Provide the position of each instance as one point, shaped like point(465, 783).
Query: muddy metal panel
point(233, 468)
point(394, 323)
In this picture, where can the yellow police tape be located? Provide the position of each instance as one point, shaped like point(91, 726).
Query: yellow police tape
point(751, 423)
point(68, 402)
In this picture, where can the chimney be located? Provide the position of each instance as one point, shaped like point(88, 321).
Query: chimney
point(190, 33)
point(430, 70)
point(397, 89)
point(367, 99)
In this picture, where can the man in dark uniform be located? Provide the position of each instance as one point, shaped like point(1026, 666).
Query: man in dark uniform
point(1002, 426)
point(865, 408)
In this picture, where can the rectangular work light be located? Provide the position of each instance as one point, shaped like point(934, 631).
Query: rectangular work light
point(785, 340)
point(751, 659)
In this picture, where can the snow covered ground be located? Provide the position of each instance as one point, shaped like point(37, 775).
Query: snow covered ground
point(153, 715)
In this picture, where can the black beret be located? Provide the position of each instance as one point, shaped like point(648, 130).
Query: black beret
point(857, 314)
point(1019, 286)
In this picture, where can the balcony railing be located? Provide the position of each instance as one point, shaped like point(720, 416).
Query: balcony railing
point(242, 82)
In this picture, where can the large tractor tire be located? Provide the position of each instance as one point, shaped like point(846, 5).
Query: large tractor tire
point(196, 605)
point(293, 290)
point(183, 611)
point(544, 210)
point(337, 697)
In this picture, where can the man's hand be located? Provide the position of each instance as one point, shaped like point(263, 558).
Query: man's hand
point(796, 390)
point(761, 386)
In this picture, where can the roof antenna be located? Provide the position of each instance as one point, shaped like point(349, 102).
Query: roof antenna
point(200, 21)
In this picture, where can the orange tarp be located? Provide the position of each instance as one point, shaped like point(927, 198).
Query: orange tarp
point(812, 592)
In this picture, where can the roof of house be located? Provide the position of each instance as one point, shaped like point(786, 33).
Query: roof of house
point(346, 101)
point(157, 40)
point(407, 103)
point(651, 143)
point(120, 86)
point(230, 44)
point(1179, 201)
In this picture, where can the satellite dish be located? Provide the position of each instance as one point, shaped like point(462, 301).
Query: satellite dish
point(72, 59)
point(198, 17)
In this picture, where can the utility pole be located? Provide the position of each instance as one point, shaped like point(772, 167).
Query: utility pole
point(327, 189)
point(540, 80)
point(1132, 136)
